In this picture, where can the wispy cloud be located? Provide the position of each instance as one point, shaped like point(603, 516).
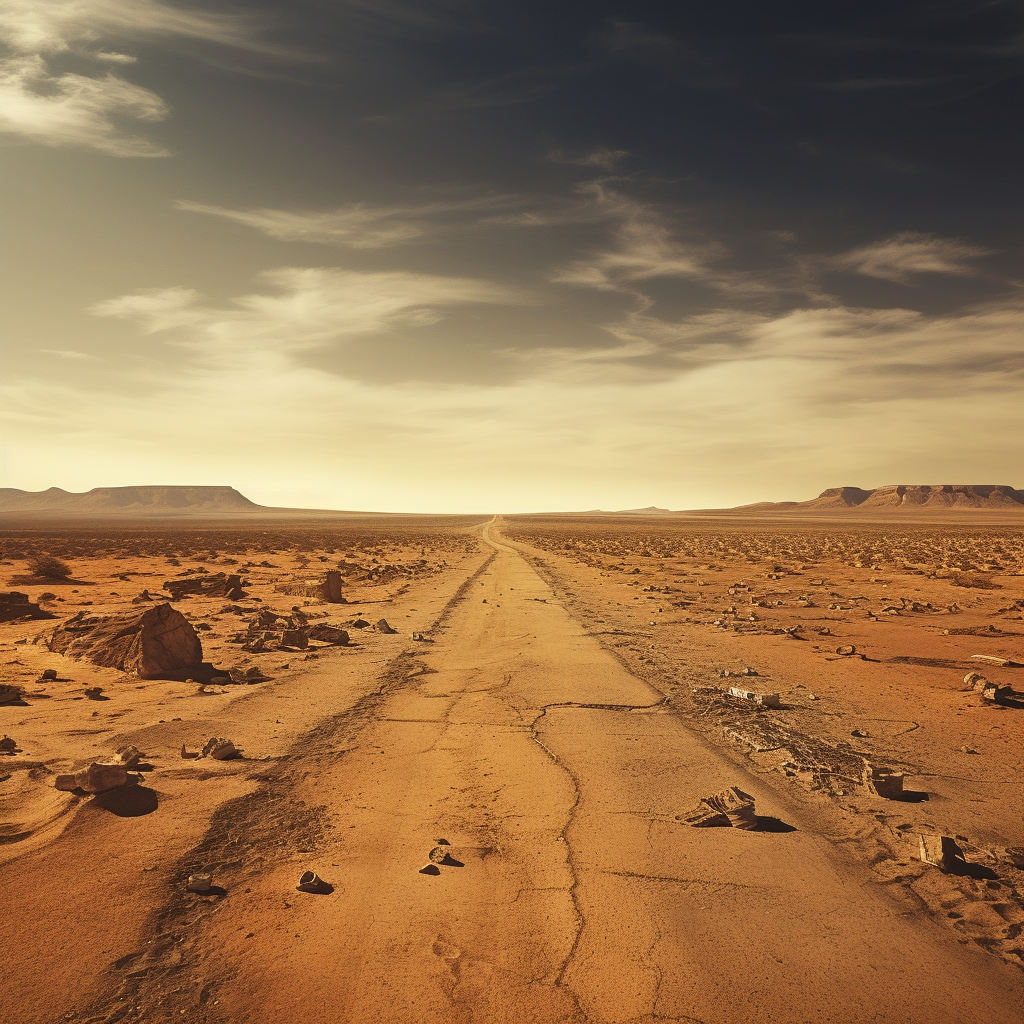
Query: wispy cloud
point(854, 356)
point(54, 26)
point(66, 353)
point(68, 109)
point(647, 243)
point(75, 110)
point(360, 226)
point(908, 254)
point(602, 157)
point(814, 389)
point(643, 247)
point(307, 308)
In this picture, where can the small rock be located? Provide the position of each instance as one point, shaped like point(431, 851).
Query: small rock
point(942, 851)
point(97, 778)
point(220, 749)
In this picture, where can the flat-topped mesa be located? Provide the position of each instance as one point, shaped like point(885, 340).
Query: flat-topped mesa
point(945, 496)
point(158, 643)
point(141, 500)
point(841, 497)
point(903, 497)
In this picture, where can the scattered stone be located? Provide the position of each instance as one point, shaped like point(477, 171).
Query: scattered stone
point(941, 851)
point(846, 650)
point(327, 590)
point(220, 749)
point(990, 659)
point(201, 883)
point(14, 605)
point(883, 782)
point(310, 881)
point(129, 756)
point(158, 643)
point(329, 634)
point(94, 692)
point(7, 745)
point(383, 627)
point(730, 807)
point(765, 700)
point(142, 598)
point(813, 696)
point(49, 674)
point(207, 690)
point(995, 694)
point(294, 638)
point(97, 778)
point(217, 585)
point(11, 693)
point(359, 624)
point(250, 675)
point(422, 639)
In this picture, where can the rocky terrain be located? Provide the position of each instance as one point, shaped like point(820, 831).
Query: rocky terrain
point(537, 768)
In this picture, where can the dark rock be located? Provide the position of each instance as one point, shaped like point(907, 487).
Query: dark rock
point(329, 634)
point(14, 605)
point(295, 638)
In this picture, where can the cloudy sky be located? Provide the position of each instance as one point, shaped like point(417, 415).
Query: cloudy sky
point(463, 255)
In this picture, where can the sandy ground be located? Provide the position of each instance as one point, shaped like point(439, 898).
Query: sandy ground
point(551, 735)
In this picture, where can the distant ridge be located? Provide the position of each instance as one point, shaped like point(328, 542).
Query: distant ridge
point(140, 501)
point(905, 497)
point(946, 503)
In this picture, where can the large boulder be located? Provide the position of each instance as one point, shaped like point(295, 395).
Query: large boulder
point(328, 589)
point(158, 643)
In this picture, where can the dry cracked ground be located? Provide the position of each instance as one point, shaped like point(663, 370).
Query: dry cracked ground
point(549, 733)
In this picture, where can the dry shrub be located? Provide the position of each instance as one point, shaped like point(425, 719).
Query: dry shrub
point(49, 567)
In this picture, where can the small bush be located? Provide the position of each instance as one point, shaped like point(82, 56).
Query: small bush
point(49, 567)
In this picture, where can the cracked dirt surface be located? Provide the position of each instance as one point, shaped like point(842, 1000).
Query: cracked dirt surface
point(571, 893)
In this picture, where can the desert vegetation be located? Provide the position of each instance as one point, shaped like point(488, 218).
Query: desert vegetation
point(928, 551)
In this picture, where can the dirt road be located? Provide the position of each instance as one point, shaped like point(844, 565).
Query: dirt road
point(556, 776)
point(571, 892)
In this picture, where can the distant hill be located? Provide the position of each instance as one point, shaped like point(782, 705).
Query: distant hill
point(140, 501)
point(907, 498)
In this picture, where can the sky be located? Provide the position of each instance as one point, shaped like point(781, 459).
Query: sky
point(470, 255)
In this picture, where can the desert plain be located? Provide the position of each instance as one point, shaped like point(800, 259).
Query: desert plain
point(494, 779)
